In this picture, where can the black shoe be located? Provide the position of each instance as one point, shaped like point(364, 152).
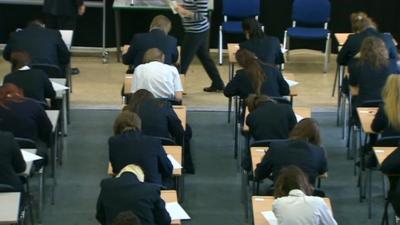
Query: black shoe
point(213, 89)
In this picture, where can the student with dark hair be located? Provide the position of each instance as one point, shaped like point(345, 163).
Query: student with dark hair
point(11, 161)
point(128, 191)
point(126, 218)
point(130, 146)
point(391, 167)
point(35, 83)
point(302, 149)
point(364, 27)
point(266, 48)
point(256, 77)
point(294, 205)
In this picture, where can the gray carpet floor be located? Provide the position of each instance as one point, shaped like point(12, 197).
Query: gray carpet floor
point(212, 195)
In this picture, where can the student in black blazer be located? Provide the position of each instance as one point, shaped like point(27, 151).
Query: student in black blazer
point(303, 149)
point(268, 119)
point(128, 192)
point(62, 14)
point(157, 38)
point(35, 83)
point(391, 167)
point(130, 146)
point(255, 78)
point(364, 27)
point(23, 117)
point(11, 161)
point(45, 46)
point(266, 48)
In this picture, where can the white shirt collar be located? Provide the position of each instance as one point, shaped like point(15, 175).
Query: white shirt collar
point(24, 68)
point(296, 193)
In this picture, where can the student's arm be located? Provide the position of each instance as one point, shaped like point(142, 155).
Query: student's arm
point(129, 57)
point(380, 121)
point(391, 47)
point(43, 124)
point(391, 165)
point(178, 88)
point(279, 59)
point(233, 86)
point(161, 215)
point(325, 214)
point(282, 84)
point(264, 169)
point(353, 77)
point(100, 212)
point(200, 12)
point(174, 125)
point(17, 160)
point(323, 166)
point(164, 165)
point(63, 53)
point(344, 55)
point(292, 120)
point(48, 87)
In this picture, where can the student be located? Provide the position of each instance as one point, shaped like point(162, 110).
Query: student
point(195, 40)
point(154, 75)
point(130, 146)
point(35, 83)
point(63, 14)
point(129, 192)
point(255, 78)
point(266, 48)
point(11, 161)
point(157, 37)
point(391, 167)
point(23, 117)
point(268, 119)
point(126, 218)
point(293, 203)
point(364, 27)
point(302, 149)
point(368, 74)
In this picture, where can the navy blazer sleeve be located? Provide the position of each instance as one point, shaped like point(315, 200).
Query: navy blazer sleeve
point(323, 167)
point(164, 165)
point(353, 73)
point(283, 85)
point(48, 87)
point(17, 160)
point(129, 57)
point(44, 125)
point(391, 165)
point(233, 86)
point(161, 215)
point(292, 118)
point(264, 169)
point(391, 47)
point(62, 50)
point(174, 125)
point(279, 59)
point(380, 121)
point(345, 54)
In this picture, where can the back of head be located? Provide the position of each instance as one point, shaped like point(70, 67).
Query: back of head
point(126, 218)
point(253, 28)
point(249, 61)
point(360, 21)
point(137, 99)
point(374, 52)
point(153, 54)
point(10, 92)
point(290, 178)
point(19, 58)
point(391, 98)
point(127, 121)
point(307, 129)
point(161, 22)
point(36, 22)
point(255, 101)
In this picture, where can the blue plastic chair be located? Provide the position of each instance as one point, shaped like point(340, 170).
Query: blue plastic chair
point(310, 21)
point(234, 12)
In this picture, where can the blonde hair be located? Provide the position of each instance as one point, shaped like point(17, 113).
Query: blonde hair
point(391, 98)
point(161, 22)
point(361, 21)
point(135, 169)
point(374, 52)
point(153, 54)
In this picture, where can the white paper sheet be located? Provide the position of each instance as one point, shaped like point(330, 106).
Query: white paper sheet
point(66, 35)
point(29, 157)
point(174, 163)
point(298, 117)
point(176, 212)
point(270, 217)
point(58, 87)
point(291, 83)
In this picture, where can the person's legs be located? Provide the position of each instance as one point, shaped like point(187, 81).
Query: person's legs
point(66, 22)
point(190, 44)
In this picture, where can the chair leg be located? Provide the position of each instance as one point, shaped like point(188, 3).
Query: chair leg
point(327, 52)
point(385, 217)
point(220, 46)
point(286, 45)
point(369, 193)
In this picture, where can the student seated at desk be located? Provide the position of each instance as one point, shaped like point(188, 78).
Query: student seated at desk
point(364, 27)
point(266, 48)
point(11, 161)
point(294, 205)
point(160, 120)
point(391, 167)
point(35, 83)
point(157, 77)
point(129, 145)
point(256, 77)
point(129, 192)
point(302, 149)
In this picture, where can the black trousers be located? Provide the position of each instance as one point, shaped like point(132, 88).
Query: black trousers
point(61, 22)
point(197, 44)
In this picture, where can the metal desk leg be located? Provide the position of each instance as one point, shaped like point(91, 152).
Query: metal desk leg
point(230, 75)
point(118, 33)
point(105, 52)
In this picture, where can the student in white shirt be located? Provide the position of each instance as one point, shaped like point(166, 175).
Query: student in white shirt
point(293, 205)
point(154, 75)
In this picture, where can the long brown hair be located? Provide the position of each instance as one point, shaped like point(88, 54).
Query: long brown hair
point(374, 52)
point(360, 21)
point(291, 177)
point(307, 129)
point(137, 99)
point(254, 101)
point(391, 98)
point(127, 121)
point(248, 60)
point(10, 92)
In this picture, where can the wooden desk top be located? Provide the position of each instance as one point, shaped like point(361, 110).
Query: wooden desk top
point(53, 116)
point(342, 38)
point(301, 111)
point(170, 196)
point(232, 49)
point(257, 153)
point(367, 115)
point(264, 203)
point(181, 112)
point(174, 150)
point(382, 153)
point(9, 207)
point(127, 84)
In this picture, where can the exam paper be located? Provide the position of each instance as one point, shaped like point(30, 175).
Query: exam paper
point(176, 212)
point(291, 83)
point(174, 163)
point(29, 157)
point(270, 217)
point(298, 117)
point(58, 87)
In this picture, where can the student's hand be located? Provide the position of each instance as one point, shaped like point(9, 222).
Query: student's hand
point(81, 10)
point(183, 12)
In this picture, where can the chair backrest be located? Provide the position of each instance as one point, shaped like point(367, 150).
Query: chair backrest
point(390, 141)
point(25, 142)
point(52, 71)
point(311, 12)
point(6, 188)
point(241, 8)
point(265, 143)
